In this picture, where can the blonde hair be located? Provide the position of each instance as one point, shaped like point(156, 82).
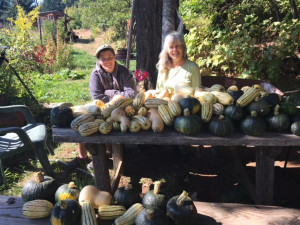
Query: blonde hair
point(165, 61)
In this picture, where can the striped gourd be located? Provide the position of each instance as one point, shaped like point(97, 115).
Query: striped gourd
point(123, 127)
point(139, 100)
point(110, 212)
point(142, 111)
point(94, 110)
point(217, 87)
point(99, 121)
point(80, 120)
point(128, 218)
point(245, 88)
point(174, 108)
point(89, 128)
point(232, 88)
point(107, 111)
point(223, 97)
point(248, 97)
point(165, 114)
point(155, 102)
point(116, 126)
point(88, 215)
point(106, 127)
point(134, 126)
point(37, 209)
point(259, 87)
point(143, 121)
point(206, 112)
point(218, 109)
point(122, 103)
point(206, 96)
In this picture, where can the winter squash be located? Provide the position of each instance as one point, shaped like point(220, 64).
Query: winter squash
point(234, 112)
point(119, 115)
point(157, 122)
point(262, 108)
point(67, 191)
point(153, 216)
point(95, 196)
point(127, 196)
point(289, 108)
point(39, 187)
point(181, 209)
point(235, 94)
point(248, 96)
point(36, 209)
point(66, 212)
point(278, 122)
point(190, 103)
point(253, 125)
point(128, 218)
point(61, 116)
point(188, 124)
point(110, 212)
point(154, 198)
point(88, 215)
point(272, 99)
point(218, 109)
point(295, 98)
point(221, 126)
point(295, 128)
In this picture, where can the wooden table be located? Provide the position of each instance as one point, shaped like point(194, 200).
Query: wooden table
point(267, 148)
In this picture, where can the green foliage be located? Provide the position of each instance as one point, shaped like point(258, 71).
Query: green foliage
point(240, 38)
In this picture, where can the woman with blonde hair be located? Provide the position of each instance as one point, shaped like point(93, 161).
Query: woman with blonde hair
point(174, 67)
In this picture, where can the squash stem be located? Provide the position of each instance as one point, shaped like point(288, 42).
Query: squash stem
point(157, 185)
point(183, 197)
point(39, 177)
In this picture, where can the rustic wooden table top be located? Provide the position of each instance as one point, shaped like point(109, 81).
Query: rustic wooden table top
point(170, 137)
point(208, 214)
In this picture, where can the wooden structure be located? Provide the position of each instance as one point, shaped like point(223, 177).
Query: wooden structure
point(208, 214)
point(267, 148)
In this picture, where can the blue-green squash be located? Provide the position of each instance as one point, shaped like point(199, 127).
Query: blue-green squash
point(234, 112)
point(67, 191)
point(154, 198)
point(61, 116)
point(66, 212)
point(278, 122)
point(153, 216)
point(253, 125)
point(295, 128)
point(188, 124)
point(220, 126)
point(127, 196)
point(190, 103)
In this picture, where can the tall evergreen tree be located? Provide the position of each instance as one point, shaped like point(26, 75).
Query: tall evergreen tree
point(51, 5)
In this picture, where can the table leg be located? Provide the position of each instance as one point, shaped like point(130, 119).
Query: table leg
point(117, 155)
point(101, 172)
point(264, 183)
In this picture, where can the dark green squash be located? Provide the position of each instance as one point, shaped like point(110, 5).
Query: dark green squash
point(234, 112)
point(39, 187)
point(67, 191)
point(295, 98)
point(190, 103)
point(289, 108)
point(253, 125)
point(262, 108)
point(127, 196)
point(236, 94)
point(188, 124)
point(182, 210)
point(272, 99)
point(61, 116)
point(66, 212)
point(296, 117)
point(153, 216)
point(278, 122)
point(154, 198)
point(295, 128)
point(220, 126)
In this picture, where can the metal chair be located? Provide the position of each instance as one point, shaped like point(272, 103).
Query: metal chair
point(15, 140)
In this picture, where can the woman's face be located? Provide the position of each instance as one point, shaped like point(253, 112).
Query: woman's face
point(175, 51)
point(107, 60)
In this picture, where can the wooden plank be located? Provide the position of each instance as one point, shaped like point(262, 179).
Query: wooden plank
point(264, 178)
point(237, 214)
point(117, 155)
point(170, 137)
point(116, 179)
point(208, 214)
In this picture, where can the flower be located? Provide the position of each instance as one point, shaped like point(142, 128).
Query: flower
point(141, 76)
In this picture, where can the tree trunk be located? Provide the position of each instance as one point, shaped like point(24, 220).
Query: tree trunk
point(168, 18)
point(294, 9)
point(148, 15)
point(276, 9)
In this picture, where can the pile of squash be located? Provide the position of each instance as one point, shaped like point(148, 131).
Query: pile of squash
point(251, 110)
point(68, 205)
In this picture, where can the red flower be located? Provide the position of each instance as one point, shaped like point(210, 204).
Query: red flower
point(141, 76)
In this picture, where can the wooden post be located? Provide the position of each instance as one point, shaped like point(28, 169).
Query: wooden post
point(102, 178)
point(39, 25)
point(130, 35)
point(264, 183)
point(117, 155)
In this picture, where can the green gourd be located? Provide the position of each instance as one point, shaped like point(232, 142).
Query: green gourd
point(278, 122)
point(261, 108)
point(221, 126)
point(154, 198)
point(153, 216)
point(289, 108)
point(188, 124)
point(253, 125)
point(67, 191)
point(295, 128)
point(182, 210)
point(39, 187)
point(127, 196)
point(190, 103)
point(66, 212)
point(61, 116)
point(234, 112)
